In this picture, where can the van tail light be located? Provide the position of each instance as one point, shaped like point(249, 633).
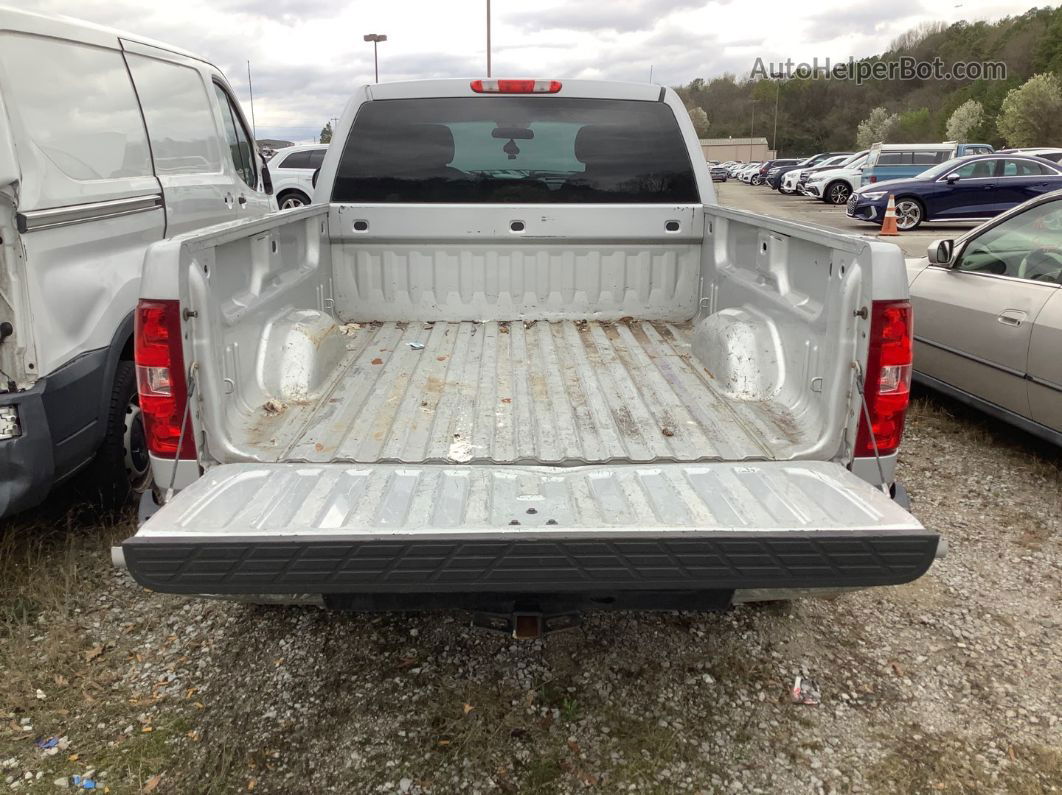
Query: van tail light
point(873, 178)
point(516, 86)
point(160, 377)
point(887, 388)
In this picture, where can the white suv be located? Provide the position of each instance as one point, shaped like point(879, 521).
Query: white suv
point(292, 170)
point(835, 185)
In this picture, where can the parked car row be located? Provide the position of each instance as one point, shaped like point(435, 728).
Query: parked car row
point(927, 182)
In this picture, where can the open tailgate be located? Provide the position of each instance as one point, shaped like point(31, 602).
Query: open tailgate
point(335, 528)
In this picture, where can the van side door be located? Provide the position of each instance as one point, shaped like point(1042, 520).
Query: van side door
point(186, 144)
point(241, 160)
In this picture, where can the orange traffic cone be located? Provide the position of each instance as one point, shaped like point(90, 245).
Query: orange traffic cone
point(888, 225)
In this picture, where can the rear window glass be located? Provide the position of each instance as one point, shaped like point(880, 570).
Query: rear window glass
point(538, 150)
point(296, 160)
point(180, 120)
point(917, 157)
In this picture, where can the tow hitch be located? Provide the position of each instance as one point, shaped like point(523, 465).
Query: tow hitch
point(525, 624)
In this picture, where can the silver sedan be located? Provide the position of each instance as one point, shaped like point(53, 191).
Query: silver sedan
point(988, 317)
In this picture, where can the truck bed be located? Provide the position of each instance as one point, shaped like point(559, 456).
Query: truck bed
point(570, 392)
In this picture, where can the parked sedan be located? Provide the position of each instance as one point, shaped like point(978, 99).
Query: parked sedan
point(989, 309)
point(963, 189)
point(719, 173)
point(777, 166)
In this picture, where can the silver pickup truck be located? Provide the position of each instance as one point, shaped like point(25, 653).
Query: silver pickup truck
point(515, 359)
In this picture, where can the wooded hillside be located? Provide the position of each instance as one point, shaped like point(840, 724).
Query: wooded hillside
point(819, 114)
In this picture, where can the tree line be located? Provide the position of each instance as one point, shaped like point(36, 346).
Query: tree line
point(816, 113)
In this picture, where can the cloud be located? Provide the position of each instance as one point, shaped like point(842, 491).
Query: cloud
point(861, 19)
point(308, 55)
point(615, 15)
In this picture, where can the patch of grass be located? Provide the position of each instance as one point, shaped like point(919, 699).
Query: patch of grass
point(922, 761)
point(1039, 769)
point(542, 772)
point(569, 710)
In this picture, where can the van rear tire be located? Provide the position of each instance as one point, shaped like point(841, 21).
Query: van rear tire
point(121, 468)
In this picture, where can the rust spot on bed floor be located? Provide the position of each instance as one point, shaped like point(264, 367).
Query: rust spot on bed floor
point(377, 360)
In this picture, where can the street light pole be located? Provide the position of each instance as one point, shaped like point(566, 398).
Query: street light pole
point(488, 38)
point(752, 126)
point(375, 38)
point(774, 138)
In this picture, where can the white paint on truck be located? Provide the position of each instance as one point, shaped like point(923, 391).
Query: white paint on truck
point(511, 354)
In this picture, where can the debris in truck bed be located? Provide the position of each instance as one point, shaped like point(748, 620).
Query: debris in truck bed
point(417, 346)
point(350, 328)
point(274, 407)
point(667, 430)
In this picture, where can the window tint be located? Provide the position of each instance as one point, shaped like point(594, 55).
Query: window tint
point(923, 158)
point(913, 157)
point(979, 169)
point(77, 106)
point(1023, 168)
point(296, 160)
point(1024, 246)
point(178, 114)
point(317, 158)
point(240, 147)
point(515, 149)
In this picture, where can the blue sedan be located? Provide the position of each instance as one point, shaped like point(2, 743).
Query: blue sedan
point(968, 188)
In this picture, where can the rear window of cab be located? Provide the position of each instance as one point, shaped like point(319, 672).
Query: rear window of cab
point(527, 149)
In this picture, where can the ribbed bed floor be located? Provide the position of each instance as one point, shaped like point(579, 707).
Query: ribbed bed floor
point(564, 392)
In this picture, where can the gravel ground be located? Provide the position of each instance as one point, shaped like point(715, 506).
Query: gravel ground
point(949, 684)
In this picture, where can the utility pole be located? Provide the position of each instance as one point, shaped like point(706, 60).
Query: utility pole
point(774, 138)
point(650, 73)
point(375, 38)
point(752, 126)
point(488, 38)
point(250, 90)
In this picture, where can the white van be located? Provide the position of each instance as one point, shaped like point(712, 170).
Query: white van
point(108, 143)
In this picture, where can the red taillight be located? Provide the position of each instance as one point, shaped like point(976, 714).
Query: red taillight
point(160, 377)
point(873, 178)
point(516, 86)
point(888, 381)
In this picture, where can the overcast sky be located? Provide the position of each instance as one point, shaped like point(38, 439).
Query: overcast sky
point(307, 55)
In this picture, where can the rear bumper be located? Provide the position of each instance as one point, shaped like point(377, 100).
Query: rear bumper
point(60, 431)
point(354, 564)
